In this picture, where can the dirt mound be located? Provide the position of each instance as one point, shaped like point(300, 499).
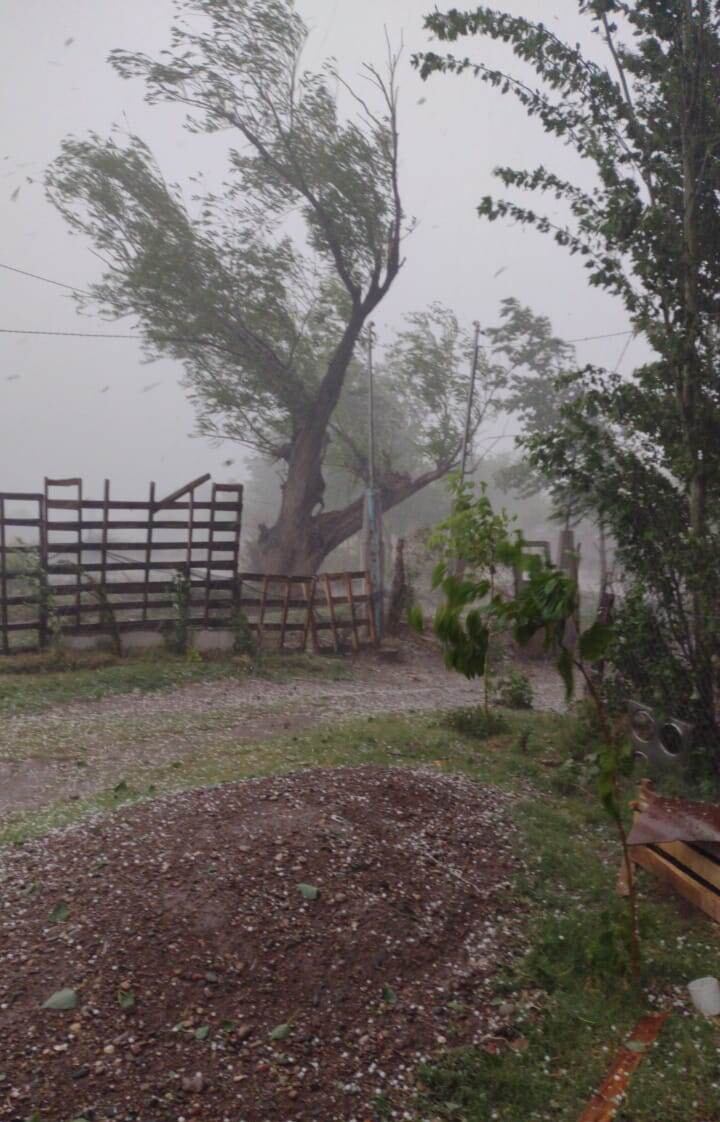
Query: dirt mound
point(278, 949)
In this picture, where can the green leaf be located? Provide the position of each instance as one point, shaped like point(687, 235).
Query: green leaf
point(202, 1033)
point(415, 617)
point(121, 788)
point(438, 574)
point(281, 1032)
point(309, 891)
point(61, 1000)
point(595, 641)
point(126, 999)
point(59, 913)
point(389, 996)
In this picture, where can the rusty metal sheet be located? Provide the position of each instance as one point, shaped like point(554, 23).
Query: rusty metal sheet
point(660, 819)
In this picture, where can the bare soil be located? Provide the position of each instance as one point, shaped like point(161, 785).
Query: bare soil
point(76, 750)
point(208, 986)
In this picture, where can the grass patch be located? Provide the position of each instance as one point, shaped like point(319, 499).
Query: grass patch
point(34, 683)
point(574, 1004)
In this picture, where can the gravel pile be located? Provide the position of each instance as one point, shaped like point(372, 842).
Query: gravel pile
point(282, 949)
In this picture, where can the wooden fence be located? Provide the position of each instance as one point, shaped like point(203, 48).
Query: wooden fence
point(79, 566)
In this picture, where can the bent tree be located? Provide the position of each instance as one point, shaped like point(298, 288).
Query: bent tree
point(644, 450)
point(262, 287)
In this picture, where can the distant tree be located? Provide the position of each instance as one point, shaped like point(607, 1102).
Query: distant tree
point(540, 381)
point(645, 450)
point(262, 288)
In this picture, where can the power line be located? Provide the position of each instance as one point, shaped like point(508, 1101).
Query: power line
point(592, 338)
point(86, 335)
point(83, 292)
point(46, 280)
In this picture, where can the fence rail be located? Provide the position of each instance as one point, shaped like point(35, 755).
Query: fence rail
point(70, 575)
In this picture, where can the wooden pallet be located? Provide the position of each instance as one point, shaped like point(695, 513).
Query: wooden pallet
point(688, 870)
point(692, 869)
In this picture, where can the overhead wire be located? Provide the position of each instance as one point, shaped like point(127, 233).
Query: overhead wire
point(106, 335)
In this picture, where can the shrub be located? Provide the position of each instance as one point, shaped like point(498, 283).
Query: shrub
point(474, 721)
point(514, 691)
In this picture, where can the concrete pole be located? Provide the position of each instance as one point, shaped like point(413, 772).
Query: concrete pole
point(374, 554)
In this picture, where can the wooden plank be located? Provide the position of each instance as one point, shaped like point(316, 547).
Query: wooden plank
point(104, 531)
point(310, 628)
point(18, 601)
point(221, 525)
point(44, 591)
point(139, 606)
point(605, 1103)
point(156, 587)
point(261, 619)
point(367, 599)
point(72, 527)
point(141, 547)
point(129, 566)
point(210, 542)
point(21, 521)
point(22, 496)
point(284, 616)
point(331, 608)
point(149, 547)
point(237, 591)
point(187, 487)
point(700, 863)
point(272, 602)
point(3, 582)
point(122, 504)
point(355, 635)
point(79, 580)
point(683, 882)
point(354, 574)
point(22, 547)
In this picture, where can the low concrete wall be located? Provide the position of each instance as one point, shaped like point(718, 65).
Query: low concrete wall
point(212, 640)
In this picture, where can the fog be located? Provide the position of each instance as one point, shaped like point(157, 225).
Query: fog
point(91, 407)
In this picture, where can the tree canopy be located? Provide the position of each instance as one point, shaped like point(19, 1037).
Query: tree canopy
point(263, 286)
point(644, 449)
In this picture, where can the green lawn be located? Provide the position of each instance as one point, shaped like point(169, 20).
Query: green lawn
point(575, 1002)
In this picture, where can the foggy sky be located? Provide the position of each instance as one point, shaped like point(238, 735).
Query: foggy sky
point(54, 419)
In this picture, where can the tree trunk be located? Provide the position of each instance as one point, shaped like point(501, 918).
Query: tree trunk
point(300, 540)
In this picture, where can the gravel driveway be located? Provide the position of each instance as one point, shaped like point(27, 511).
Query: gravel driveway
point(75, 750)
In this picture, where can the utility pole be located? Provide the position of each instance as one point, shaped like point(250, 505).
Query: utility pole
point(467, 437)
point(471, 402)
point(374, 560)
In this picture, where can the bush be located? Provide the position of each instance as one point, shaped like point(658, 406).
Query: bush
point(641, 665)
point(475, 722)
point(514, 691)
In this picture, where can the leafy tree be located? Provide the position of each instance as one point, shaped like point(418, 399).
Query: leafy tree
point(481, 540)
point(262, 287)
point(645, 450)
point(539, 383)
point(545, 600)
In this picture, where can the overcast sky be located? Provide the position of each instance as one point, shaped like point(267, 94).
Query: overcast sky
point(91, 407)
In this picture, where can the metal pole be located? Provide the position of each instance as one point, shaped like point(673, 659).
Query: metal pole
point(471, 400)
point(373, 504)
point(371, 409)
